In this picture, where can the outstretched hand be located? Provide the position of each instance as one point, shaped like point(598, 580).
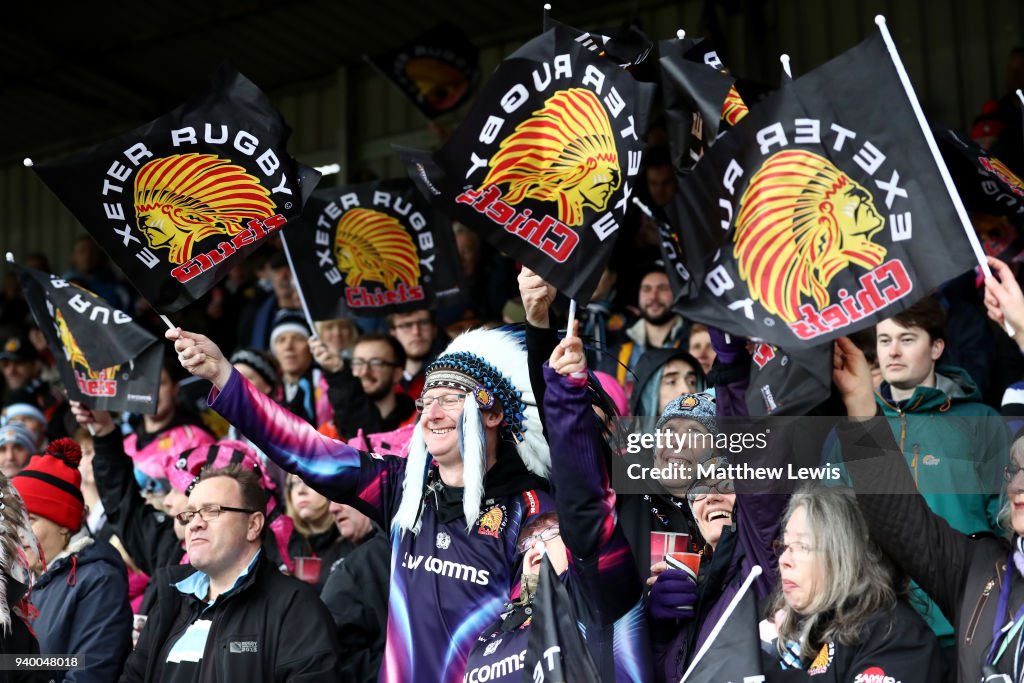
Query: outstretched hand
point(200, 356)
point(98, 422)
point(852, 376)
point(1004, 300)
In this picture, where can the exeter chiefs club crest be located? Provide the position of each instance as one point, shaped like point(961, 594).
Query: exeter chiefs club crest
point(1000, 170)
point(492, 522)
point(102, 382)
point(378, 248)
point(546, 161)
point(177, 201)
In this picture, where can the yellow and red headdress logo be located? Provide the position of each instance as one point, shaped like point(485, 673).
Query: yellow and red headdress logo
point(801, 222)
point(999, 169)
point(181, 200)
point(492, 522)
point(371, 245)
point(93, 382)
point(564, 153)
point(734, 108)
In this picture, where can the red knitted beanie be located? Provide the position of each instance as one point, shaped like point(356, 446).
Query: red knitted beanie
point(51, 485)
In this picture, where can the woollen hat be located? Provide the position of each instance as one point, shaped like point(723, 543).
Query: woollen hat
point(697, 407)
point(51, 485)
point(288, 321)
point(17, 433)
point(15, 410)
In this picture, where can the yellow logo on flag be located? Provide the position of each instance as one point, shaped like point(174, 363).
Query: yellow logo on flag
point(370, 245)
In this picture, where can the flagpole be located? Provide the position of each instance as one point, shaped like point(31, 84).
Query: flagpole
point(572, 318)
point(784, 58)
point(680, 34)
point(954, 196)
point(544, 15)
point(755, 572)
point(1020, 96)
point(298, 286)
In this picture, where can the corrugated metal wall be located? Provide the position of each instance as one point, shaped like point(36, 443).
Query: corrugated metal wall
point(955, 52)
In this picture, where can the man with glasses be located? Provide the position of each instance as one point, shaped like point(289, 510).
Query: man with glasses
point(417, 333)
point(454, 507)
point(230, 615)
point(363, 392)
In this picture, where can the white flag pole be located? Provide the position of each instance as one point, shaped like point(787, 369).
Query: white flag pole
point(298, 286)
point(784, 58)
point(954, 196)
point(755, 572)
point(1020, 96)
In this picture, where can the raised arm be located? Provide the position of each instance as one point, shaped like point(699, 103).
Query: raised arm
point(582, 489)
point(343, 474)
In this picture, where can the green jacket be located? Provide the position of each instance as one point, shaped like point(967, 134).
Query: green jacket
point(956, 448)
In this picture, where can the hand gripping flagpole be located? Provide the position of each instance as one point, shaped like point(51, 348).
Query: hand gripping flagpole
point(298, 286)
point(954, 196)
point(755, 572)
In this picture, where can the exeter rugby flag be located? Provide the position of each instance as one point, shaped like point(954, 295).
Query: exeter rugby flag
point(177, 202)
point(436, 70)
point(547, 159)
point(104, 359)
point(788, 384)
point(373, 249)
point(556, 651)
point(821, 212)
point(700, 98)
point(627, 47)
point(986, 184)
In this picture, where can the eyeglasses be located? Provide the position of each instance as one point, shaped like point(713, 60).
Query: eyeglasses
point(1010, 471)
point(524, 544)
point(408, 325)
point(207, 513)
point(375, 363)
point(699, 492)
point(448, 401)
point(798, 549)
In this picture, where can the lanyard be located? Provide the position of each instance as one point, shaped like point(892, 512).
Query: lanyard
point(1004, 633)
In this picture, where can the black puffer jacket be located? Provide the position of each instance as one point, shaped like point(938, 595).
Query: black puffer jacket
point(288, 634)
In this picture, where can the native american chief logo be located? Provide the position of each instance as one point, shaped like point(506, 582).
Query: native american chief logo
point(999, 169)
point(74, 353)
point(801, 221)
point(370, 245)
point(565, 153)
point(734, 108)
point(183, 199)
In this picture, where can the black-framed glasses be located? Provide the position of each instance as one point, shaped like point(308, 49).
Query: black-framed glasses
point(448, 401)
point(701, 491)
point(208, 513)
point(410, 324)
point(527, 542)
point(796, 547)
point(1010, 471)
point(374, 363)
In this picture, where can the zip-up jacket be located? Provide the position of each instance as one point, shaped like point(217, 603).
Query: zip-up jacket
point(962, 574)
point(272, 628)
point(447, 583)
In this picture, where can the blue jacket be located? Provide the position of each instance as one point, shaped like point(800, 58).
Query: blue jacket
point(82, 600)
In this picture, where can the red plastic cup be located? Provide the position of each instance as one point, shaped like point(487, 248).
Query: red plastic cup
point(688, 562)
point(666, 542)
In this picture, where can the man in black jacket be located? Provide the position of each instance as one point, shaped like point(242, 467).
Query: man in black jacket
point(231, 616)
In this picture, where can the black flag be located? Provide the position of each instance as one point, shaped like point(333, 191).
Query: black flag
point(373, 249)
point(177, 202)
point(700, 96)
point(628, 46)
point(436, 70)
point(557, 652)
point(735, 654)
point(820, 213)
point(104, 359)
point(784, 383)
point(546, 161)
point(986, 184)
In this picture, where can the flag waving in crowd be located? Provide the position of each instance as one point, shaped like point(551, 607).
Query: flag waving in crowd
point(627, 47)
point(545, 163)
point(379, 248)
point(700, 98)
point(177, 202)
point(108, 361)
point(820, 213)
point(436, 70)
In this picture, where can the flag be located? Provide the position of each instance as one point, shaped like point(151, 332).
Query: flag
point(556, 651)
point(700, 98)
point(546, 161)
point(784, 383)
point(176, 203)
point(373, 249)
point(104, 358)
point(436, 70)
point(627, 47)
point(990, 190)
point(821, 213)
point(734, 654)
